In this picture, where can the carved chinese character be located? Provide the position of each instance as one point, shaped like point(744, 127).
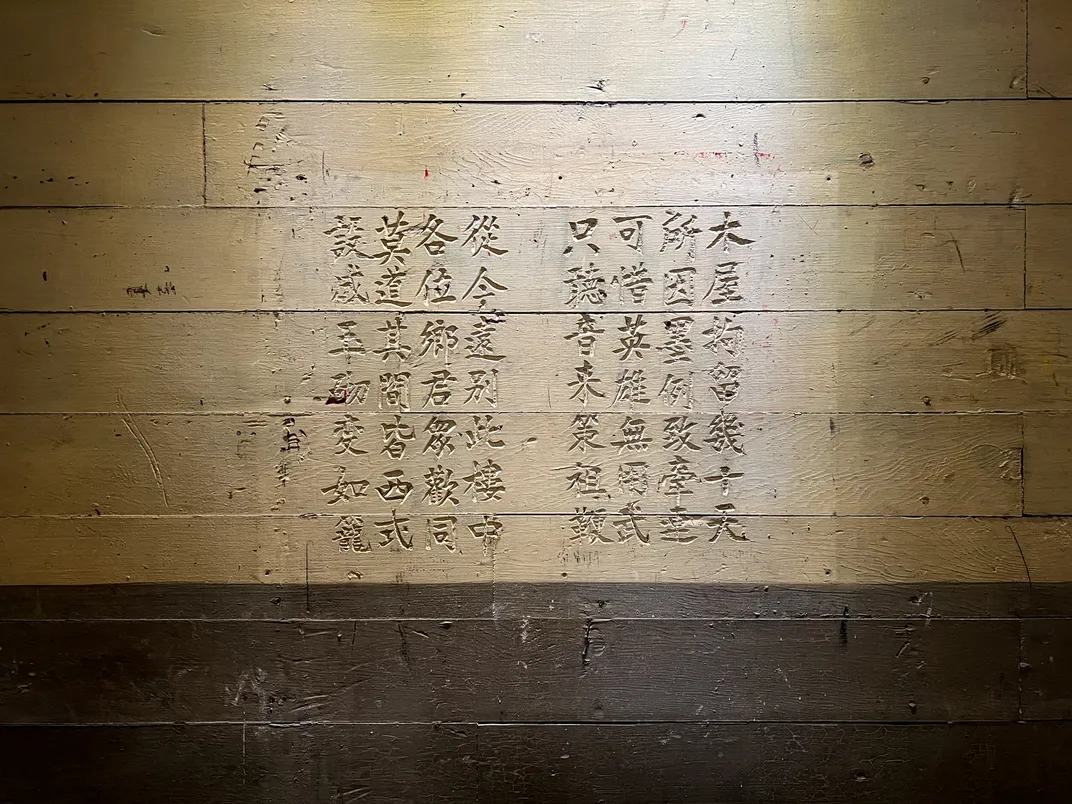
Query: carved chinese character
point(633, 478)
point(389, 287)
point(440, 387)
point(395, 531)
point(581, 232)
point(395, 487)
point(725, 286)
point(439, 339)
point(586, 285)
point(678, 346)
point(346, 236)
point(724, 434)
point(488, 529)
point(485, 432)
point(432, 238)
point(585, 430)
point(484, 287)
point(345, 390)
point(584, 386)
point(678, 478)
point(632, 436)
point(585, 334)
point(439, 486)
point(632, 387)
point(349, 535)
point(724, 335)
point(586, 480)
point(633, 340)
point(396, 435)
point(343, 490)
point(587, 525)
point(347, 431)
point(394, 389)
point(725, 233)
point(679, 231)
point(347, 287)
point(478, 345)
point(631, 230)
point(677, 390)
point(483, 387)
point(726, 524)
point(723, 478)
point(393, 347)
point(392, 233)
point(486, 482)
point(436, 285)
point(349, 342)
point(292, 435)
point(678, 433)
point(628, 526)
point(679, 286)
point(677, 527)
point(633, 282)
point(727, 382)
point(440, 436)
point(443, 531)
point(481, 235)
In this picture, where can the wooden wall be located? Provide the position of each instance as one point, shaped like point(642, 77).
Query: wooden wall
point(849, 578)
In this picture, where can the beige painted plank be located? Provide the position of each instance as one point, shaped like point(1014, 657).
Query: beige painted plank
point(1050, 49)
point(833, 258)
point(791, 464)
point(775, 362)
point(530, 549)
point(539, 155)
point(1049, 257)
point(100, 155)
point(439, 50)
point(1047, 463)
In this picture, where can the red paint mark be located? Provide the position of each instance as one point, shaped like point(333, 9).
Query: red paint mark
point(714, 154)
point(776, 322)
point(762, 155)
point(426, 173)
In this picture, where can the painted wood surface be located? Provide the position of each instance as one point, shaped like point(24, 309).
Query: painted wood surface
point(436, 50)
point(1050, 62)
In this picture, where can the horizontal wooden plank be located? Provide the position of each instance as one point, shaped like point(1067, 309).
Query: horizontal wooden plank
point(1049, 257)
point(848, 464)
point(1047, 463)
point(821, 551)
point(100, 154)
point(1050, 49)
point(662, 363)
point(681, 50)
point(505, 670)
point(833, 258)
point(541, 155)
point(532, 764)
point(1047, 661)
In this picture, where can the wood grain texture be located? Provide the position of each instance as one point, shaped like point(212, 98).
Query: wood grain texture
point(540, 155)
point(435, 50)
point(1049, 257)
point(299, 362)
point(848, 464)
point(1050, 49)
point(1047, 463)
point(802, 258)
point(560, 764)
point(1047, 657)
point(510, 671)
point(267, 551)
point(100, 155)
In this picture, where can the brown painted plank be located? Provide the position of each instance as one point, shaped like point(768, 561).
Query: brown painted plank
point(539, 155)
point(821, 551)
point(1047, 661)
point(100, 155)
point(1047, 463)
point(1050, 49)
point(800, 258)
point(681, 50)
point(848, 464)
point(1049, 257)
point(505, 670)
point(773, 362)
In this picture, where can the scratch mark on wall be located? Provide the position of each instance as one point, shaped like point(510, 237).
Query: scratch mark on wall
point(146, 447)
